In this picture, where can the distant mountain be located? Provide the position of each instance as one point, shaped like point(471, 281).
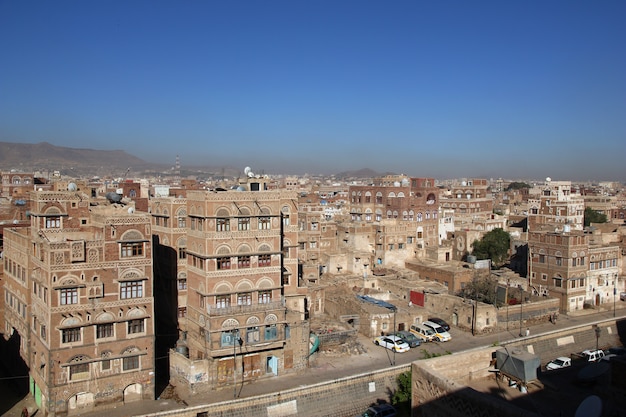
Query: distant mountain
point(47, 157)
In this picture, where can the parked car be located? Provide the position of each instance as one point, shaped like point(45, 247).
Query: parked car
point(617, 350)
point(558, 363)
point(409, 338)
point(622, 296)
point(440, 322)
point(593, 355)
point(380, 410)
point(392, 342)
point(441, 335)
point(423, 332)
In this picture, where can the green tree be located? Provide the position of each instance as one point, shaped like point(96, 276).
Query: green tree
point(593, 216)
point(516, 186)
point(481, 289)
point(494, 245)
point(401, 398)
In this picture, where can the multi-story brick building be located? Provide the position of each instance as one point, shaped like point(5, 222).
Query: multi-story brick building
point(405, 211)
point(570, 267)
point(557, 205)
point(247, 307)
point(79, 285)
point(469, 199)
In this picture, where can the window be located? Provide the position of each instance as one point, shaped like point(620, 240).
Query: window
point(544, 277)
point(53, 222)
point(243, 224)
point(222, 225)
point(79, 371)
point(129, 363)
point(409, 239)
point(265, 260)
point(182, 284)
point(131, 289)
point(558, 282)
point(70, 335)
point(243, 261)
point(223, 263)
point(69, 296)
point(105, 365)
point(130, 249)
point(136, 326)
point(182, 253)
point(43, 332)
point(228, 338)
point(104, 330)
point(244, 299)
point(542, 259)
point(182, 222)
point(559, 261)
point(286, 279)
point(182, 312)
point(265, 297)
point(264, 223)
point(222, 301)
point(253, 335)
point(271, 332)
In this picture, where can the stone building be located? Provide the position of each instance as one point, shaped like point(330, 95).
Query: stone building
point(247, 307)
point(404, 211)
point(573, 269)
point(79, 285)
point(556, 205)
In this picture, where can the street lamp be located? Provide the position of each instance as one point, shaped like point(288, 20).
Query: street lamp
point(521, 306)
point(236, 341)
point(597, 330)
point(614, 292)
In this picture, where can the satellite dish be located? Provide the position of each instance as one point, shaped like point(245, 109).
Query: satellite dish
point(251, 174)
point(247, 170)
point(131, 210)
point(72, 186)
point(548, 179)
point(590, 407)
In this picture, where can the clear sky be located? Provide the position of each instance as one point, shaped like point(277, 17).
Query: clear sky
point(512, 89)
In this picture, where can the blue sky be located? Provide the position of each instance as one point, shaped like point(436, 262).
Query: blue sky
point(512, 89)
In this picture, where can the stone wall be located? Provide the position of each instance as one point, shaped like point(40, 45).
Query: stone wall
point(440, 385)
point(345, 397)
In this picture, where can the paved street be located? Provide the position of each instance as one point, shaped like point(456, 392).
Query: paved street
point(325, 367)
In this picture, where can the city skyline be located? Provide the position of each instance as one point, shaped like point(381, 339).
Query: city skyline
point(487, 89)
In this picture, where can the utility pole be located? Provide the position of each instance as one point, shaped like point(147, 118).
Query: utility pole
point(521, 305)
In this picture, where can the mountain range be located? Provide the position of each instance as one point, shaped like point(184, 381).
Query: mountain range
point(45, 157)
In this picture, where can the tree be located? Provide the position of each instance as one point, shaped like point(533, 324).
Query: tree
point(401, 397)
point(516, 186)
point(593, 216)
point(481, 289)
point(494, 245)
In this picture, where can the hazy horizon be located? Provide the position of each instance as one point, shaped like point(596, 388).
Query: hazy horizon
point(446, 90)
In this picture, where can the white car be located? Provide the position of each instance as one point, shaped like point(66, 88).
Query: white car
point(392, 342)
point(593, 355)
point(558, 363)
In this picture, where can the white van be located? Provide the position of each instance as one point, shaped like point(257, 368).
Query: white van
point(423, 332)
point(441, 335)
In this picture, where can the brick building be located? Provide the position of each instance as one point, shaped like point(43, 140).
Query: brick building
point(79, 287)
point(404, 211)
point(247, 307)
point(571, 267)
